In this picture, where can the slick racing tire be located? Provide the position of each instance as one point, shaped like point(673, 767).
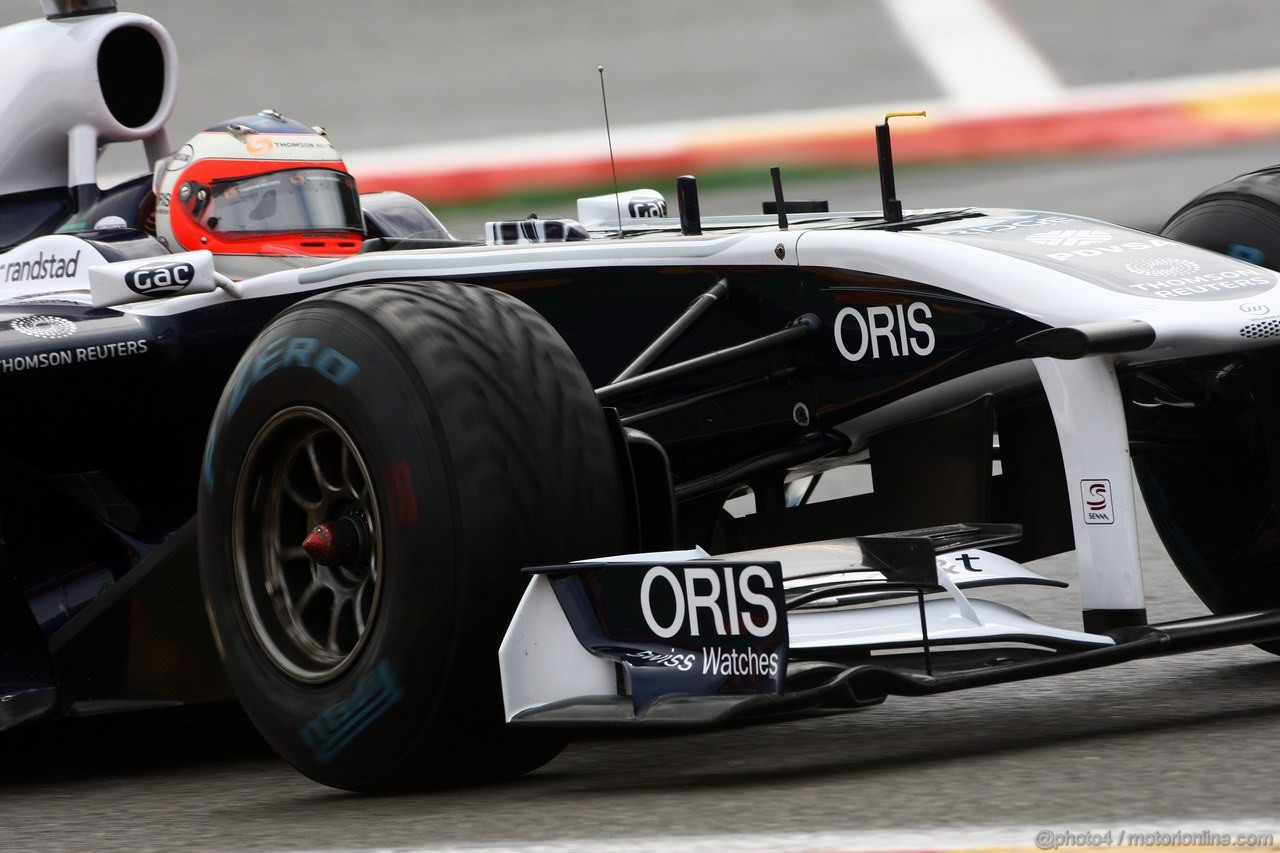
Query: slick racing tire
point(383, 462)
point(1240, 217)
point(1207, 449)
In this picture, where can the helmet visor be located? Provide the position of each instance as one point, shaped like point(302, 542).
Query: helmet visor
point(291, 201)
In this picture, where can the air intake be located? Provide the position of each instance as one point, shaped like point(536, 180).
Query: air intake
point(75, 82)
point(1261, 329)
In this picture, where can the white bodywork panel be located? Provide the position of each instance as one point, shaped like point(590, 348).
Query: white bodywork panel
point(55, 265)
point(541, 659)
point(1089, 413)
point(898, 625)
point(811, 561)
point(50, 69)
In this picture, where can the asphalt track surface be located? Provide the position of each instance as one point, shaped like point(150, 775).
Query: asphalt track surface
point(1186, 740)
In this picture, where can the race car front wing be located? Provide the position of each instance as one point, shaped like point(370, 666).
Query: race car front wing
point(680, 639)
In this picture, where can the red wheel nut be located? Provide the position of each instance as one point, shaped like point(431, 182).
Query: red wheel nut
point(321, 544)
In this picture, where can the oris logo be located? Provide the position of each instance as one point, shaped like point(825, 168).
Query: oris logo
point(709, 601)
point(160, 279)
point(1097, 501)
point(647, 208)
point(1070, 237)
point(884, 331)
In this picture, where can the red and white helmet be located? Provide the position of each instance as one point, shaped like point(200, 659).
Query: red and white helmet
point(262, 193)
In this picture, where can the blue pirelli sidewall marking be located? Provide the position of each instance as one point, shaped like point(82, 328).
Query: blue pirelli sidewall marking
point(301, 352)
point(332, 730)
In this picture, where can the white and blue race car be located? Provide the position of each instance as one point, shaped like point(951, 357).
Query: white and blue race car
point(429, 510)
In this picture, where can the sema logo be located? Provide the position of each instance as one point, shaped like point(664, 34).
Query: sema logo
point(883, 331)
point(1097, 501)
point(702, 605)
point(159, 279)
point(1070, 237)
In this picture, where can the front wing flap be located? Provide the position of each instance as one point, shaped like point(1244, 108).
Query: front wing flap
point(679, 639)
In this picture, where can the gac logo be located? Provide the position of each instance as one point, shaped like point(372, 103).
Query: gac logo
point(884, 331)
point(647, 208)
point(159, 279)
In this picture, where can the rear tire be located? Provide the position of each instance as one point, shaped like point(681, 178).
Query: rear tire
point(450, 436)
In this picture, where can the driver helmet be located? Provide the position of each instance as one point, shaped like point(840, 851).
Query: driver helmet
point(262, 193)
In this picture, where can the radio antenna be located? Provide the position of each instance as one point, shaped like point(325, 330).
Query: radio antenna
point(613, 164)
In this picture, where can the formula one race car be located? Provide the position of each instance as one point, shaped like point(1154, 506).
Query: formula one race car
point(445, 504)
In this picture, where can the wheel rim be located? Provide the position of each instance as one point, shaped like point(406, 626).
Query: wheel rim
point(307, 544)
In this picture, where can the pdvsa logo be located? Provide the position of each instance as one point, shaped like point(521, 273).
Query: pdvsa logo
point(703, 605)
point(884, 331)
point(1097, 501)
point(160, 279)
point(1070, 237)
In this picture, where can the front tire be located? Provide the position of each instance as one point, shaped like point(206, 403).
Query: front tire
point(444, 436)
point(1207, 454)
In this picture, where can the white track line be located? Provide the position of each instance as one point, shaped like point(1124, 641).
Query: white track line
point(974, 53)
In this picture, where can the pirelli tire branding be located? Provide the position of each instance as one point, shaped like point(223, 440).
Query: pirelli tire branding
point(682, 629)
point(1118, 259)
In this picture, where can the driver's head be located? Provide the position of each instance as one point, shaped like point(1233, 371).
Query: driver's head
point(259, 187)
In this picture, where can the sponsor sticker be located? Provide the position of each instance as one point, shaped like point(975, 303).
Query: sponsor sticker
point(1119, 259)
point(1002, 226)
point(1162, 267)
point(647, 208)
point(1096, 495)
point(41, 326)
point(885, 331)
point(1071, 237)
point(41, 268)
point(181, 158)
point(960, 565)
point(160, 279)
point(72, 355)
point(690, 629)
